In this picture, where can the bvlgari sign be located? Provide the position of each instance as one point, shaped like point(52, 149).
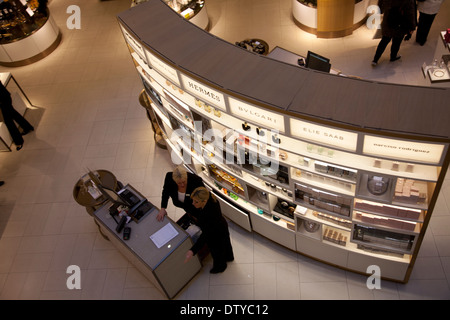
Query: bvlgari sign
point(203, 92)
point(257, 115)
point(324, 135)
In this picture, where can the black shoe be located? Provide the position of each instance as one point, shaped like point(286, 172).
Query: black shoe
point(421, 42)
point(25, 132)
point(19, 147)
point(2, 183)
point(395, 59)
point(230, 259)
point(217, 270)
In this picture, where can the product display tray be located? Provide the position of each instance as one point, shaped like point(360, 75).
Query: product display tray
point(438, 74)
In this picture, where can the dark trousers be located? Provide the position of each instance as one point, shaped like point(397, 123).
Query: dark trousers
point(9, 116)
point(221, 252)
point(423, 27)
point(395, 47)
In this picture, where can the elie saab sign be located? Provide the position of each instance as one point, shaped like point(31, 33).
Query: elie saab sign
point(257, 115)
point(324, 135)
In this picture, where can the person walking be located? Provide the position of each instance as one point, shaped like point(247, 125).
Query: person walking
point(214, 228)
point(399, 20)
point(10, 115)
point(428, 10)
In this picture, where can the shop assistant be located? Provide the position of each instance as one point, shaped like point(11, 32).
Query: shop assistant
point(214, 228)
point(178, 185)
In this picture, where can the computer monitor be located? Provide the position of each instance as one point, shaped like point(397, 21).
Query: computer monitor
point(109, 194)
point(137, 207)
point(317, 62)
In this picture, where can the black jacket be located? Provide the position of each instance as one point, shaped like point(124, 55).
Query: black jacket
point(399, 17)
point(5, 96)
point(170, 190)
point(213, 225)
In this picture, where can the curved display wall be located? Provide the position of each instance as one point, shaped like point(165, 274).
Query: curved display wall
point(342, 170)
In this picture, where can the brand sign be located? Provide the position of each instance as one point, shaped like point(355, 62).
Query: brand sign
point(133, 43)
point(203, 92)
point(257, 115)
point(325, 135)
point(166, 70)
point(405, 150)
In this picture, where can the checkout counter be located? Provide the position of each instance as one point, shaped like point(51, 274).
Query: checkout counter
point(156, 248)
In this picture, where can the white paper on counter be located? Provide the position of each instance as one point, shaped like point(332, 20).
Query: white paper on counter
point(164, 235)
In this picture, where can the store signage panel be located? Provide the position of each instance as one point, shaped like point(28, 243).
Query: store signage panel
point(257, 115)
point(203, 92)
point(404, 150)
point(166, 70)
point(325, 135)
point(137, 47)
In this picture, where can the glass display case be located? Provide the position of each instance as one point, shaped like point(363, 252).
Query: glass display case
point(19, 19)
point(186, 8)
point(227, 180)
point(383, 239)
point(27, 32)
point(324, 201)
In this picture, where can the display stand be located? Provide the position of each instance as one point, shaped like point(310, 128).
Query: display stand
point(158, 255)
point(329, 18)
point(193, 10)
point(34, 47)
point(342, 170)
point(437, 72)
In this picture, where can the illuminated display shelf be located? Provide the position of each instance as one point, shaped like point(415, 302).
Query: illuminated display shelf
point(389, 179)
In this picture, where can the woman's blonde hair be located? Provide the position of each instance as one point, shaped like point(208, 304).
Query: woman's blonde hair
point(179, 174)
point(202, 194)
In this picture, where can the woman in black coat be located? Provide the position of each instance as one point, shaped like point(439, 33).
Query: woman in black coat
point(10, 115)
point(214, 228)
point(178, 185)
point(399, 20)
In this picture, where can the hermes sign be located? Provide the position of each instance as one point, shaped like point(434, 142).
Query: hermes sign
point(325, 135)
point(405, 150)
point(203, 92)
point(166, 70)
point(256, 115)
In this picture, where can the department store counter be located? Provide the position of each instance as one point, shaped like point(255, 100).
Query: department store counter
point(157, 249)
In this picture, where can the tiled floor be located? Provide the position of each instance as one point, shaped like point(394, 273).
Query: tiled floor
point(88, 116)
